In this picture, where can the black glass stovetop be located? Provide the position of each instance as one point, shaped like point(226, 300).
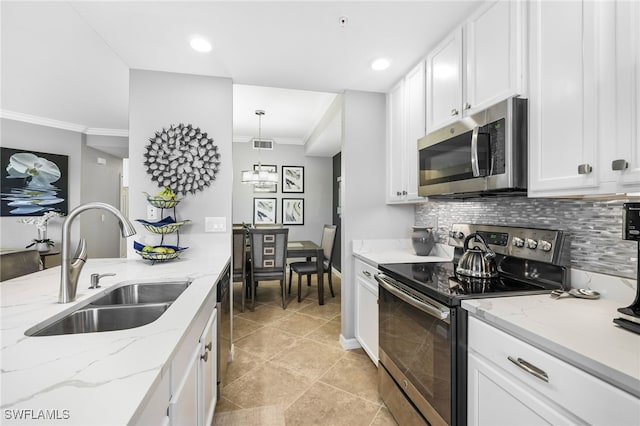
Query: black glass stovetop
point(438, 280)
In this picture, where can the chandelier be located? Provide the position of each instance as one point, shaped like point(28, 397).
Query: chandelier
point(260, 178)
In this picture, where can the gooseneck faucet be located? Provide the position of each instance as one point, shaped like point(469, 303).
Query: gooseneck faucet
point(71, 266)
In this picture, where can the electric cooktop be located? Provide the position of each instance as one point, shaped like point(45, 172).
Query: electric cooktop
point(438, 280)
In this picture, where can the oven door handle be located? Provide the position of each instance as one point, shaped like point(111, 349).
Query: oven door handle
point(393, 287)
point(475, 167)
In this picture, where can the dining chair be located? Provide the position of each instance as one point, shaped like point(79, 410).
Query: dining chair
point(309, 268)
point(240, 260)
point(268, 259)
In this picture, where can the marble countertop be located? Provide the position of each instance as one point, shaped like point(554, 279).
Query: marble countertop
point(578, 331)
point(94, 378)
point(377, 252)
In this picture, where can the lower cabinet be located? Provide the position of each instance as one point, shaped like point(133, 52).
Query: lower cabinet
point(193, 395)
point(367, 308)
point(511, 382)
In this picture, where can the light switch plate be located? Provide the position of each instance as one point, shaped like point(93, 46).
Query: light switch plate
point(215, 224)
point(152, 213)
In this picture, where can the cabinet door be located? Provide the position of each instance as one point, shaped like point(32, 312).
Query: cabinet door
point(395, 142)
point(444, 82)
point(183, 406)
point(563, 98)
point(367, 310)
point(494, 49)
point(416, 128)
point(495, 398)
point(207, 371)
point(628, 91)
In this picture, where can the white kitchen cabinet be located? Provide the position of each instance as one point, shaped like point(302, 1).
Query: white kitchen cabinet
point(155, 410)
point(583, 106)
point(183, 406)
point(477, 65)
point(536, 389)
point(405, 124)
point(444, 82)
point(207, 371)
point(627, 16)
point(366, 308)
point(193, 395)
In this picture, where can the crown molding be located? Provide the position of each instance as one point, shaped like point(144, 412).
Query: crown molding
point(63, 125)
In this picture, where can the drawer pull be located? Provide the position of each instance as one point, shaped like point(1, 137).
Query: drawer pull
point(530, 368)
point(366, 274)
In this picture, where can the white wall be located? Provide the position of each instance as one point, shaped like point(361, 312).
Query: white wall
point(364, 212)
point(100, 182)
point(317, 187)
point(158, 100)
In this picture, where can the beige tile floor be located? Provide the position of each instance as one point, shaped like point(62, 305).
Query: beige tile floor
point(289, 368)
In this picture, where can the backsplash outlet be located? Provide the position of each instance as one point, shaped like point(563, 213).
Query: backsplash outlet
point(594, 227)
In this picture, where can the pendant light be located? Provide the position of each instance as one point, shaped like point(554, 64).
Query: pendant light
point(260, 179)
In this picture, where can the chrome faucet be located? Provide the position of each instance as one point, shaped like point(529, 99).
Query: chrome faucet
point(71, 266)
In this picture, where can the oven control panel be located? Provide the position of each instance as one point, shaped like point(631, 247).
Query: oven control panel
point(544, 245)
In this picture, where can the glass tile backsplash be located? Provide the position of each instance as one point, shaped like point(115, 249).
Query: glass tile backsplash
point(593, 227)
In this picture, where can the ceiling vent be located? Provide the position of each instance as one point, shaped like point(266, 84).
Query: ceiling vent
point(262, 143)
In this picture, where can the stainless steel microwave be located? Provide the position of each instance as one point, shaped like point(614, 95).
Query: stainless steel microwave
point(482, 154)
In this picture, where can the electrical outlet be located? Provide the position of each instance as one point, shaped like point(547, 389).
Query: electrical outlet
point(215, 224)
point(152, 213)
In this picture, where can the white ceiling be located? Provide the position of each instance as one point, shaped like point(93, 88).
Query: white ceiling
point(69, 61)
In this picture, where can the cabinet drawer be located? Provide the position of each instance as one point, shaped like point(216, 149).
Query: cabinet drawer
point(587, 397)
point(367, 273)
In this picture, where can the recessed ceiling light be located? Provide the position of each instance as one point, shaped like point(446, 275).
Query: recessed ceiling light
point(380, 64)
point(199, 44)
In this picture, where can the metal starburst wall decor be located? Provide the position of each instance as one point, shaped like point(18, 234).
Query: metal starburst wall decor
point(182, 158)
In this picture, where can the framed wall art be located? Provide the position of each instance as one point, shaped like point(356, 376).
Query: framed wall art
point(272, 187)
point(292, 179)
point(33, 183)
point(264, 210)
point(293, 211)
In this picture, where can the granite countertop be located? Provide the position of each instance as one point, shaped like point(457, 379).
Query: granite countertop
point(578, 331)
point(377, 252)
point(98, 378)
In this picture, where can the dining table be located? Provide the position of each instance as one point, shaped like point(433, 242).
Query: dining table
point(308, 250)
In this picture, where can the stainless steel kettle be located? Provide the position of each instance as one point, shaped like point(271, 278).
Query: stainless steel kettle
point(476, 262)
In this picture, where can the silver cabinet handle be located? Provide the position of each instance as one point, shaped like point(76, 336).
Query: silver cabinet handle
point(366, 274)
point(454, 112)
point(467, 105)
point(530, 368)
point(205, 356)
point(584, 169)
point(208, 346)
point(619, 165)
point(398, 193)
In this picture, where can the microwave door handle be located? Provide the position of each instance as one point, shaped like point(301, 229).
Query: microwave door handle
point(475, 168)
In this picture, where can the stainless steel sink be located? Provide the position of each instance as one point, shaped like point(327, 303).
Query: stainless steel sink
point(120, 308)
point(135, 294)
point(105, 318)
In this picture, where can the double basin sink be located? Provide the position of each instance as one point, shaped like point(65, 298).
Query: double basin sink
point(120, 308)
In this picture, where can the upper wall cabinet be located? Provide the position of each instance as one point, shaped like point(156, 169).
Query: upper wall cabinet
point(405, 125)
point(477, 65)
point(583, 128)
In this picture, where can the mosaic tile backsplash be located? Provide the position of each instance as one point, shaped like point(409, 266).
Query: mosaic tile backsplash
point(593, 227)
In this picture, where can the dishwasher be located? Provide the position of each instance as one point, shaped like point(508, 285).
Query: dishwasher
point(225, 312)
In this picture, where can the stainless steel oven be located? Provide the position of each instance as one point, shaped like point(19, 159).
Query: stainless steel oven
point(423, 328)
point(486, 152)
point(415, 338)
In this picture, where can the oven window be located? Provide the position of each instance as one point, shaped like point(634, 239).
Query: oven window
point(447, 161)
point(419, 345)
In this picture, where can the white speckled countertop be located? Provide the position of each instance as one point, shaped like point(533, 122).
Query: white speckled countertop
point(377, 252)
point(578, 331)
point(99, 378)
